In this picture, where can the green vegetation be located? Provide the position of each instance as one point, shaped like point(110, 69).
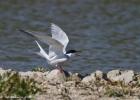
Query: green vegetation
point(118, 90)
point(11, 84)
point(39, 69)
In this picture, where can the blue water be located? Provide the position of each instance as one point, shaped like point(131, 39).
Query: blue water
point(106, 31)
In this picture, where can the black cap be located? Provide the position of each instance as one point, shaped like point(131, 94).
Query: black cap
point(71, 51)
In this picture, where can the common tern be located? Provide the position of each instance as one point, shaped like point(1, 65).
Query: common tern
point(57, 46)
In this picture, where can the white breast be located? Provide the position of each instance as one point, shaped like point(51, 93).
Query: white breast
point(57, 61)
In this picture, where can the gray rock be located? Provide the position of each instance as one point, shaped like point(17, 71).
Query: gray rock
point(37, 76)
point(92, 77)
point(124, 76)
point(74, 77)
point(89, 79)
point(3, 71)
point(99, 74)
point(113, 73)
point(56, 76)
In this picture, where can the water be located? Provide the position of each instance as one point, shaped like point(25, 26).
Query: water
point(107, 32)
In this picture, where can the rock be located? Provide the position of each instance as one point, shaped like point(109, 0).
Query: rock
point(55, 76)
point(75, 77)
point(3, 71)
point(113, 73)
point(93, 77)
point(99, 74)
point(37, 76)
point(89, 78)
point(124, 76)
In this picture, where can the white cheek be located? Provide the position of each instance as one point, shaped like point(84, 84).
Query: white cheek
point(72, 55)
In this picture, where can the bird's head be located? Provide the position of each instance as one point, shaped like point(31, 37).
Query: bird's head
point(71, 53)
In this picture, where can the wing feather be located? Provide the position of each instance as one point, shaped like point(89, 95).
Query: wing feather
point(55, 47)
point(59, 35)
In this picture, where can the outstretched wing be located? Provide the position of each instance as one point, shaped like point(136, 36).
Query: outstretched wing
point(55, 47)
point(59, 35)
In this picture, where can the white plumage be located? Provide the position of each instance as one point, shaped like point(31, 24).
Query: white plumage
point(57, 45)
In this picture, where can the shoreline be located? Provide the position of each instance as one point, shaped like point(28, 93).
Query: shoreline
point(115, 84)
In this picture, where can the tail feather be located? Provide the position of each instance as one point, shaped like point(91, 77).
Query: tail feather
point(42, 53)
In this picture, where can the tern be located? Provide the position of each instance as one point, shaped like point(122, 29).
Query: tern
point(57, 54)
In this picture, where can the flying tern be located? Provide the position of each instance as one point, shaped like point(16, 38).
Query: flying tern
point(57, 46)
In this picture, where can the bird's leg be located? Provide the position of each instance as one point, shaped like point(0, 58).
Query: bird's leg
point(60, 68)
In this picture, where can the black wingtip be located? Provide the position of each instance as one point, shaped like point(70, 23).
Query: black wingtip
point(22, 30)
point(26, 32)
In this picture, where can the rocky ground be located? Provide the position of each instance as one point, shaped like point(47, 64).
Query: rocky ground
point(56, 85)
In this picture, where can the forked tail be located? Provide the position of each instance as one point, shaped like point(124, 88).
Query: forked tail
point(42, 53)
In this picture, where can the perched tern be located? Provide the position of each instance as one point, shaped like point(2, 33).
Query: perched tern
point(57, 46)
